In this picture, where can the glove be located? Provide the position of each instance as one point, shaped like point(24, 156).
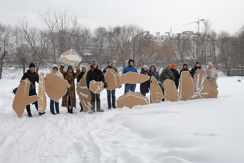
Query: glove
point(105, 85)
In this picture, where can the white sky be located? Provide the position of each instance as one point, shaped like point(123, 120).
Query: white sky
point(152, 15)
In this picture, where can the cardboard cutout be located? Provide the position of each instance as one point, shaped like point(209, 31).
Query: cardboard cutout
point(70, 56)
point(171, 93)
point(42, 101)
point(112, 79)
point(84, 93)
point(186, 86)
point(133, 78)
point(55, 87)
point(132, 99)
point(96, 87)
point(22, 98)
point(202, 87)
point(156, 91)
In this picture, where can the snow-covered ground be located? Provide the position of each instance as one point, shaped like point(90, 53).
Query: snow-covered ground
point(193, 131)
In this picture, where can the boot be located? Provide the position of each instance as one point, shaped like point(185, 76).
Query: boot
point(99, 107)
point(92, 107)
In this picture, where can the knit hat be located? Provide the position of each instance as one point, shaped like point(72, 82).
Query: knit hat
point(32, 65)
point(70, 67)
point(185, 64)
point(144, 66)
point(169, 65)
point(94, 62)
point(83, 67)
point(174, 65)
point(109, 61)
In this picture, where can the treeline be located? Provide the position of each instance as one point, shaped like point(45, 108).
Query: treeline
point(21, 44)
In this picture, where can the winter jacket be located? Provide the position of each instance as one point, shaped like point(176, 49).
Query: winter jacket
point(129, 69)
point(166, 74)
point(153, 73)
point(80, 76)
point(57, 73)
point(33, 77)
point(194, 70)
point(94, 74)
point(112, 67)
point(212, 74)
point(177, 77)
point(144, 87)
point(184, 70)
point(70, 77)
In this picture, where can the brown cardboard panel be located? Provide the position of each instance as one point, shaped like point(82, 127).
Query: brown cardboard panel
point(131, 99)
point(186, 89)
point(42, 101)
point(202, 87)
point(55, 87)
point(96, 87)
point(70, 56)
point(84, 93)
point(156, 91)
point(112, 79)
point(134, 78)
point(22, 98)
point(171, 93)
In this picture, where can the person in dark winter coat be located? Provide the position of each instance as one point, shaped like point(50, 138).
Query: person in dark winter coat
point(52, 102)
point(176, 75)
point(153, 72)
point(95, 74)
point(111, 93)
point(83, 71)
point(130, 68)
point(69, 99)
point(144, 87)
point(194, 70)
point(184, 68)
point(33, 77)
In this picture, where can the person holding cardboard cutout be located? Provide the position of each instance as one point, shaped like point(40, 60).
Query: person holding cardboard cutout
point(176, 75)
point(153, 72)
point(184, 68)
point(33, 77)
point(111, 93)
point(212, 73)
point(52, 102)
point(69, 99)
point(95, 74)
point(195, 68)
point(144, 87)
point(83, 71)
point(130, 68)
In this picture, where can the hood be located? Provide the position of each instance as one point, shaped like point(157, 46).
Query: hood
point(54, 65)
point(154, 68)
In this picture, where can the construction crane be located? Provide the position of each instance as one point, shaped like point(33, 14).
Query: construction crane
point(198, 24)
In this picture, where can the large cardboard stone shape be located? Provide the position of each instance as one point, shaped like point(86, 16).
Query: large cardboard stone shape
point(70, 56)
point(170, 91)
point(84, 93)
point(156, 91)
point(132, 99)
point(186, 86)
point(112, 79)
point(133, 78)
point(202, 87)
point(96, 86)
point(55, 87)
point(22, 98)
point(42, 101)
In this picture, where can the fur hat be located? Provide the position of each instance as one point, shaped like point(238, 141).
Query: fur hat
point(32, 65)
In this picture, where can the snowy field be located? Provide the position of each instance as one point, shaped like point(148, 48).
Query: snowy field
point(193, 131)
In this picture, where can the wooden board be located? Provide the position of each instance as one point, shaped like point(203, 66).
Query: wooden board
point(132, 99)
point(56, 87)
point(22, 98)
point(186, 89)
point(96, 87)
point(202, 87)
point(133, 78)
point(42, 101)
point(170, 91)
point(70, 56)
point(112, 79)
point(156, 91)
point(84, 93)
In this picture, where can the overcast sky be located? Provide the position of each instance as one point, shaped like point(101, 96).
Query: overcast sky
point(152, 15)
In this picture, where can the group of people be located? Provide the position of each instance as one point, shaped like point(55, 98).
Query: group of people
point(95, 73)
